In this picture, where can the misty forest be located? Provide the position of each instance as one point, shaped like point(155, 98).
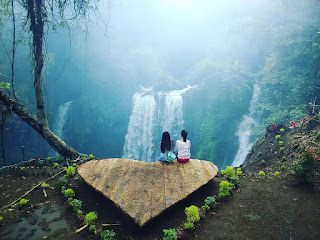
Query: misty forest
point(87, 89)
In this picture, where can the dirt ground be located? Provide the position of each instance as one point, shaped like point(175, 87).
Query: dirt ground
point(263, 208)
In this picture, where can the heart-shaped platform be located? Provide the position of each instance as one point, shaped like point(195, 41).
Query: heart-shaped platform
point(143, 190)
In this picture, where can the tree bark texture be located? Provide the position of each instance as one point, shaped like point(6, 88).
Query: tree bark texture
point(54, 141)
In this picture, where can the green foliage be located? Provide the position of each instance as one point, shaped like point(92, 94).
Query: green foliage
point(189, 226)
point(76, 204)
point(283, 158)
point(239, 172)
point(169, 234)
point(280, 143)
point(69, 193)
point(224, 189)
point(234, 181)
point(281, 149)
point(283, 168)
point(70, 172)
point(263, 162)
point(278, 136)
point(259, 154)
point(56, 165)
point(207, 207)
point(276, 173)
point(210, 201)
point(282, 130)
point(91, 156)
point(23, 202)
point(108, 235)
point(79, 212)
point(261, 173)
point(74, 165)
point(61, 182)
point(49, 158)
point(192, 213)
point(304, 169)
point(92, 229)
point(70, 199)
point(22, 169)
point(1, 218)
point(45, 185)
point(90, 218)
point(229, 171)
point(63, 189)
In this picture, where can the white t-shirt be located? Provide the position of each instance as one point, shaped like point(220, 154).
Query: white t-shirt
point(183, 149)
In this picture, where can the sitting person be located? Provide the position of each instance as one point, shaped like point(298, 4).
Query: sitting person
point(166, 146)
point(183, 148)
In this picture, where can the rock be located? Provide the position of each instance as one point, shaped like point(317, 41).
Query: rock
point(143, 190)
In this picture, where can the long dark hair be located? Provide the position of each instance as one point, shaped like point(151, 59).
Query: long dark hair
point(165, 142)
point(184, 134)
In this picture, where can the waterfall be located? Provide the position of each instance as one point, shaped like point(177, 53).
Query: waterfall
point(59, 123)
point(150, 117)
point(245, 130)
point(138, 141)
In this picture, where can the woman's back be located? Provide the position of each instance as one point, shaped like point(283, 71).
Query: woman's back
point(183, 148)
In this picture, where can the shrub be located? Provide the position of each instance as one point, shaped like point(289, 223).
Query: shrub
point(169, 234)
point(278, 136)
point(223, 172)
point(70, 199)
point(304, 168)
point(61, 182)
point(281, 149)
point(283, 158)
point(210, 201)
point(239, 172)
point(23, 202)
point(76, 204)
point(192, 213)
point(283, 168)
point(70, 172)
point(91, 156)
point(69, 193)
point(261, 173)
point(235, 181)
point(263, 161)
point(229, 171)
point(276, 173)
point(63, 189)
point(49, 158)
point(189, 226)
point(45, 185)
point(224, 189)
point(280, 143)
point(282, 129)
point(90, 218)
point(74, 165)
point(22, 169)
point(1, 218)
point(56, 165)
point(92, 229)
point(79, 212)
point(108, 235)
point(207, 207)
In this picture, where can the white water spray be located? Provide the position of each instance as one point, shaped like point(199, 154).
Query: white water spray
point(245, 130)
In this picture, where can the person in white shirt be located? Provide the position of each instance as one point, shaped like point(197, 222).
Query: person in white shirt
point(183, 147)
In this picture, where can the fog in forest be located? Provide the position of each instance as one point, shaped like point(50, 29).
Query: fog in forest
point(223, 70)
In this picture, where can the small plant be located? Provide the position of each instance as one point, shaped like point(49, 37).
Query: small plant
point(108, 235)
point(210, 201)
point(304, 169)
point(169, 234)
point(281, 143)
point(90, 218)
point(61, 182)
point(74, 165)
point(189, 226)
point(261, 173)
point(22, 169)
point(1, 218)
point(263, 162)
point(224, 189)
point(56, 165)
point(278, 136)
point(70, 172)
point(282, 130)
point(192, 213)
point(23, 202)
point(229, 171)
point(79, 213)
point(283, 158)
point(76, 204)
point(282, 149)
point(239, 172)
point(45, 185)
point(69, 193)
point(49, 158)
point(283, 168)
point(70, 199)
point(91, 156)
point(235, 181)
point(63, 189)
point(259, 154)
point(92, 229)
point(207, 207)
point(276, 173)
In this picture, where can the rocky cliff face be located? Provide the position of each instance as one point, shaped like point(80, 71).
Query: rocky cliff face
point(143, 190)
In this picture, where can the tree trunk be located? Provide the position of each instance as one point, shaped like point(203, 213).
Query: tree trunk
point(57, 143)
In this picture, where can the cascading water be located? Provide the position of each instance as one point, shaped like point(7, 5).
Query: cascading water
point(245, 130)
point(149, 119)
point(59, 123)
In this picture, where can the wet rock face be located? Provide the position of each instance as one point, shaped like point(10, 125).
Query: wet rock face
point(143, 190)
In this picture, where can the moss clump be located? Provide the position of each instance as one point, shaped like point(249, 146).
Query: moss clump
point(281, 143)
point(283, 168)
point(45, 185)
point(90, 218)
point(23, 202)
point(70, 172)
point(304, 169)
point(282, 149)
point(261, 173)
point(169, 234)
point(108, 235)
point(92, 229)
point(224, 189)
point(210, 201)
point(276, 173)
point(283, 158)
point(189, 226)
point(278, 137)
point(56, 165)
point(76, 204)
point(192, 213)
point(239, 172)
point(69, 193)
